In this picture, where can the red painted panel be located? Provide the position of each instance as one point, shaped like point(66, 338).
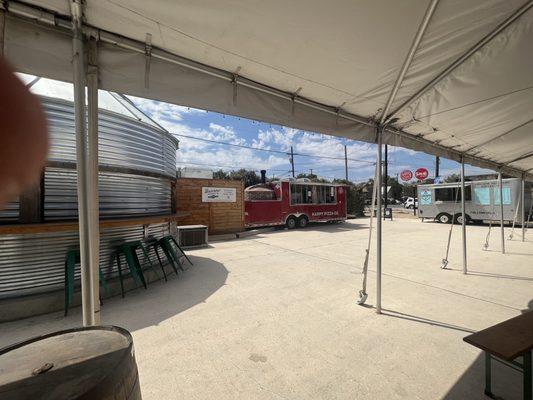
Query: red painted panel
point(275, 212)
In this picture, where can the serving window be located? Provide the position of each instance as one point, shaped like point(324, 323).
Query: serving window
point(452, 193)
point(313, 194)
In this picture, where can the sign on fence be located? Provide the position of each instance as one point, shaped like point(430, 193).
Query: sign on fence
point(219, 195)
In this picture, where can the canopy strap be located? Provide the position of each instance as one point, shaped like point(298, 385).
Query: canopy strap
point(148, 59)
point(235, 85)
point(293, 99)
point(515, 217)
point(452, 223)
point(487, 238)
point(362, 293)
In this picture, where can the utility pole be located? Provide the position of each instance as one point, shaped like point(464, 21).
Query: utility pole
point(311, 171)
point(385, 178)
point(437, 165)
point(292, 162)
point(346, 163)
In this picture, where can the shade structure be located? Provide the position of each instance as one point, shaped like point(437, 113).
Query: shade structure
point(328, 67)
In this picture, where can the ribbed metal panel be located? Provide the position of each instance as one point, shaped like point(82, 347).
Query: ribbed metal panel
point(32, 264)
point(123, 142)
point(35, 263)
point(121, 195)
point(10, 212)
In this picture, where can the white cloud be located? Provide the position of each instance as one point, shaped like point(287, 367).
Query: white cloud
point(163, 113)
point(282, 138)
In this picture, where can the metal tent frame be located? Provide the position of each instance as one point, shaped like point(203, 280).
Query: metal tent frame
point(95, 50)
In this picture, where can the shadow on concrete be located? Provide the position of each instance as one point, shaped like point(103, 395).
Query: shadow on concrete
point(142, 308)
point(427, 321)
point(163, 300)
point(512, 277)
point(509, 252)
point(506, 382)
point(491, 275)
point(139, 309)
point(322, 227)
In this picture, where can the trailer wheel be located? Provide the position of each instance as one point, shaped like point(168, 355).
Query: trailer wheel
point(458, 219)
point(444, 218)
point(302, 221)
point(291, 222)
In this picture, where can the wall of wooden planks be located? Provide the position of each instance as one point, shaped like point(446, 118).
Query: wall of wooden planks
point(219, 217)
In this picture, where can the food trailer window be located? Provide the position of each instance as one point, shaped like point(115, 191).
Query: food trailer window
point(506, 195)
point(312, 194)
point(325, 194)
point(301, 194)
point(452, 193)
point(482, 196)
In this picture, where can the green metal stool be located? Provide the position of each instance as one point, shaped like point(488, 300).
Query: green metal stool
point(129, 251)
point(71, 259)
point(166, 245)
point(153, 243)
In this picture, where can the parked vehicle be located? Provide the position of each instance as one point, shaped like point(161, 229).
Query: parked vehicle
point(410, 202)
point(293, 203)
point(442, 202)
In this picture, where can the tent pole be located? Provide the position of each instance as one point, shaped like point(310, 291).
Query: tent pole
point(92, 173)
point(523, 205)
point(500, 183)
point(409, 57)
point(378, 221)
point(463, 214)
point(78, 66)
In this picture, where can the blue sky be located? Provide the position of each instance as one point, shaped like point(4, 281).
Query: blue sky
point(214, 126)
point(181, 120)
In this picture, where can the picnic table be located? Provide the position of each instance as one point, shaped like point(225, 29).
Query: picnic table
point(506, 342)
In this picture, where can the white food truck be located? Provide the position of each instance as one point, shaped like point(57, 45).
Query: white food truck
point(442, 202)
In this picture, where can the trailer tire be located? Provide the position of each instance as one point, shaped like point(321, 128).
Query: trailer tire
point(457, 219)
point(291, 222)
point(303, 221)
point(444, 218)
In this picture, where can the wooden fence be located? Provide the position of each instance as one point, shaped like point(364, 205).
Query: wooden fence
point(220, 217)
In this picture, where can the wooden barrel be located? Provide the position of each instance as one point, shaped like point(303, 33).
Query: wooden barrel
point(82, 363)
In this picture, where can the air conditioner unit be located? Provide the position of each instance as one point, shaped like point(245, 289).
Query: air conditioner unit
point(192, 236)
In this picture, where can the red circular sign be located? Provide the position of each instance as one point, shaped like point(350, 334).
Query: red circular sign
point(406, 175)
point(421, 173)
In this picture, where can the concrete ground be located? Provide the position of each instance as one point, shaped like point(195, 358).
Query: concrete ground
point(274, 316)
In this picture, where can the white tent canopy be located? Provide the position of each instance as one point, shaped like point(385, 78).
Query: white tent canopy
point(454, 77)
point(448, 77)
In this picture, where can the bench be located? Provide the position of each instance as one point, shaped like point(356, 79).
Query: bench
point(505, 342)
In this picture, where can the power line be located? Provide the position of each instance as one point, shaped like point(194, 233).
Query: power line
point(226, 166)
point(243, 146)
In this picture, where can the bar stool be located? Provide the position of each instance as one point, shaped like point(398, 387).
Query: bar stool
point(71, 259)
point(153, 243)
point(166, 245)
point(129, 251)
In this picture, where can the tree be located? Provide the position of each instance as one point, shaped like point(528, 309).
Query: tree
point(248, 176)
point(312, 178)
point(220, 174)
point(355, 200)
point(409, 190)
point(355, 197)
point(453, 178)
point(396, 189)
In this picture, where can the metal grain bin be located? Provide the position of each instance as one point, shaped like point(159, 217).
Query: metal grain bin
point(137, 165)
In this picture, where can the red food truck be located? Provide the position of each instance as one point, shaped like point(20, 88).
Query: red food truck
point(293, 203)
